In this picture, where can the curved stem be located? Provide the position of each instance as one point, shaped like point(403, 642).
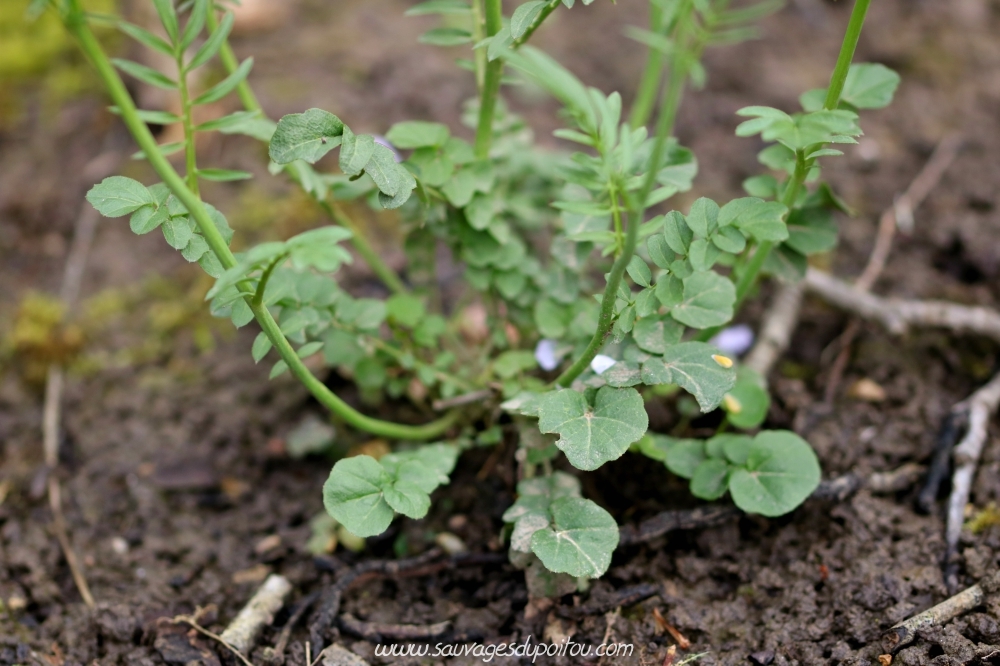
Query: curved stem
point(120, 96)
point(491, 84)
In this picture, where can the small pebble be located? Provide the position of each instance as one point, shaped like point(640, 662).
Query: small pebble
point(267, 543)
point(867, 390)
point(119, 545)
point(450, 543)
point(458, 522)
point(254, 574)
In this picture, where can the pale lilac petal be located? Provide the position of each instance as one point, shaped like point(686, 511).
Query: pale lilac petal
point(545, 354)
point(735, 340)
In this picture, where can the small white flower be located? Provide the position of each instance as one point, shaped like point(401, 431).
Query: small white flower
point(601, 363)
point(734, 340)
point(545, 354)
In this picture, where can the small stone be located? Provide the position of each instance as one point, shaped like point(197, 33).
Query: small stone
point(266, 544)
point(450, 543)
point(762, 658)
point(885, 659)
point(867, 390)
point(458, 522)
point(119, 546)
point(254, 574)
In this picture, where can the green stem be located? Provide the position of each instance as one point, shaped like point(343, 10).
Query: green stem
point(120, 96)
point(190, 155)
point(847, 49)
point(381, 269)
point(478, 35)
point(358, 240)
point(642, 108)
point(258, 296)
point(664, 128)
point(491, 84)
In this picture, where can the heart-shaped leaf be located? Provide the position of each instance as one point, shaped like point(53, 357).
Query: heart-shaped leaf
point(781, 472)
point(579, 541)
point(591, 436)
point(693, 367)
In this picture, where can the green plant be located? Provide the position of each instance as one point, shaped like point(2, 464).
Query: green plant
point(536, 231)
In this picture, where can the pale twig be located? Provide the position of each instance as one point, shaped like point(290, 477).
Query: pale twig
point(897, 315)
point(445, 404)
point(83, 236)
point(243, 631)
point(193, 623)
point(776, 329)
point(976, 411)
point(906, 632)
point(899, 215)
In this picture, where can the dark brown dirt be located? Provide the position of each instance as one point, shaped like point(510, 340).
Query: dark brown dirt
point(173, 466)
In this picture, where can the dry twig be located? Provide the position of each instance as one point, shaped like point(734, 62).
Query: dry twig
point(378, 632)
point(192, 621)
point(278, 653)
point(243, 631)
point(897, 315)
point(776, 329)
point(976, 411)
point(905, 632)
point(838, 489)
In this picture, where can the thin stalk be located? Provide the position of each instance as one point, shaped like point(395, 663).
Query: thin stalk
point(491, 84)
point(250, 102)
point(120, 96)
point(478, 35)
point(642, 108)
point(381, 269)
point(847, 49)
point(190, 154)
point(664, 128)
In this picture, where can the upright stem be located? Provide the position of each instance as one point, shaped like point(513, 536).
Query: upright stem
point(847, 49)
point(491, 84)
point(606, 318)
point(77, 26)
point(190, 154)
point(642, 108)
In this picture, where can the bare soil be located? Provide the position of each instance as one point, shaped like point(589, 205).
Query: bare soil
point(174, 469)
